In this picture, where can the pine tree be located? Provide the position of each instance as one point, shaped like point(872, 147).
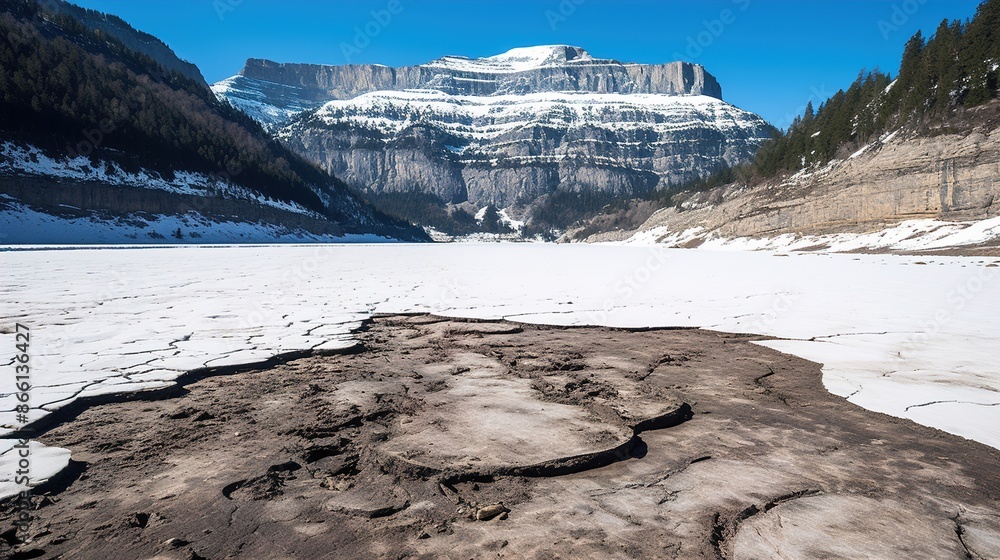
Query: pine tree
point(981, 53)
point(492, 223)
point(913, 84)
point(944, 66)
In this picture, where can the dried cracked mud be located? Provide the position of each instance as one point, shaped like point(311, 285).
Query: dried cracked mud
point(439, 438)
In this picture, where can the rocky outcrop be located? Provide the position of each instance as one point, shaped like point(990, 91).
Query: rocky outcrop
point(85, 198)
point(950, 176)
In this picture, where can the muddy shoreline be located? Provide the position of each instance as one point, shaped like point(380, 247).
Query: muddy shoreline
point(439, 438)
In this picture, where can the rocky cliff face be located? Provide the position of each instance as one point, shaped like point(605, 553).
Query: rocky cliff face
point(509, 150)
point(503, 130)
point(520, 71)
point(946, 176)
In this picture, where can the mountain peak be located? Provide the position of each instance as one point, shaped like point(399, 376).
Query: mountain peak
point(542, 55)
point(521, 59)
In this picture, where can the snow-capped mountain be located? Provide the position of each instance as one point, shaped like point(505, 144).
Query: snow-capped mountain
point(519, 60)
point(273, 92)
point(503, 130)
point(511, 149)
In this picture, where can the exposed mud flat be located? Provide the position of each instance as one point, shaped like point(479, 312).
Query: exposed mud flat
point(457, 439)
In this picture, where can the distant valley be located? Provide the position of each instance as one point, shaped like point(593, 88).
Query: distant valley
point(542, 143)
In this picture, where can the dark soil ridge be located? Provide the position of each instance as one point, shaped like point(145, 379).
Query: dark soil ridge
point(177, 389)
point(290, 460)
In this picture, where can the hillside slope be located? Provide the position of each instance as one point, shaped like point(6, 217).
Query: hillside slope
point(912, 192)
point(132, 38)
point(82, 112)
point(910, 163)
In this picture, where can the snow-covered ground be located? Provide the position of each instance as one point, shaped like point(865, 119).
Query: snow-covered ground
point(19, 224)
point(914, 337)
point(911, 235)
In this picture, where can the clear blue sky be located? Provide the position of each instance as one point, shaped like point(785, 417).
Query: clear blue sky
point(771, 56)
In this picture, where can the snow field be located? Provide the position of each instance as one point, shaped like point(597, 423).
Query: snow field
point(914, 337)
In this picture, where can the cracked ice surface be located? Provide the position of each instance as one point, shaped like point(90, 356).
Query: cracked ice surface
point(912, 340)
point(45, 462)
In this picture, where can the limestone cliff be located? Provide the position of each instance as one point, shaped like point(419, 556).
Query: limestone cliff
point(504, 130)
point(948, 174)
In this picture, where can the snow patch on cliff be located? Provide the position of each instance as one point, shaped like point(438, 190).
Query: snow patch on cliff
point(475, 118)
point(521, 59)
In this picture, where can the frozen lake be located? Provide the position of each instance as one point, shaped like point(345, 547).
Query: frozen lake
point(914, 337)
